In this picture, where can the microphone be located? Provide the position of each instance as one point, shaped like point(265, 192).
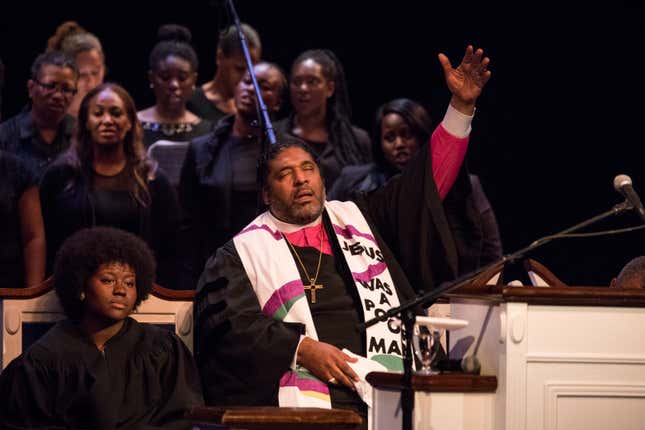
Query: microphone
point(469, 365)
point(623, 184)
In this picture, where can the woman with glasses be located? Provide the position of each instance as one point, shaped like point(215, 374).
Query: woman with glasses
point(41, 132)
point(106, 179)
point(172, 75)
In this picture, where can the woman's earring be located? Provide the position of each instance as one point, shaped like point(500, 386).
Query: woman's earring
point(82, 296)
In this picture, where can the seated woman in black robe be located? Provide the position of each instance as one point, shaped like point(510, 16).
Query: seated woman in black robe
point(100, 369)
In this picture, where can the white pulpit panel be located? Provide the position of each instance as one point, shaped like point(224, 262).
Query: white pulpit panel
point(441, 402)
point(598, 413)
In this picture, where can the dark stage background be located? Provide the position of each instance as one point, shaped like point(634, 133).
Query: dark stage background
point(561, 116)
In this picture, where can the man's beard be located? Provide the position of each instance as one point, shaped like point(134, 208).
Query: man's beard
point(297, 214)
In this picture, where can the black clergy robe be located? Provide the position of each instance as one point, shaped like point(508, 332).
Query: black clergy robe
point(242, 353)
point(146, 378)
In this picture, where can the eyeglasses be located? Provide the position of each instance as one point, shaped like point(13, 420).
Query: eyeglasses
point(52, 87)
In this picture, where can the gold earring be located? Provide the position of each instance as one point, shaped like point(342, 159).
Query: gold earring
point(82, 296)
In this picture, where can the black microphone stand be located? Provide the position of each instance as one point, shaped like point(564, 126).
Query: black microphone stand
point(249, 65)
point(408, 315)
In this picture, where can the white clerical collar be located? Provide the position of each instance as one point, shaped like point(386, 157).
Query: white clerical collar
point(286, 227)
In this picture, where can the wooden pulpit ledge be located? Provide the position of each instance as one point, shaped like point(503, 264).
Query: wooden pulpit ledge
point(556, 292)
point(274, 418)
point(440, 383)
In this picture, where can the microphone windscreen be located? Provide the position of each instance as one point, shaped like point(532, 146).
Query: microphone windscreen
point(471, 365)
point(620, 181)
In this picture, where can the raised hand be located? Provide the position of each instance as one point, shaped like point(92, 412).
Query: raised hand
point(326, 362)
point(467, 80)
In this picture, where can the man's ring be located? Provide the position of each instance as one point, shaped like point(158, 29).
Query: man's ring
point(332, 380)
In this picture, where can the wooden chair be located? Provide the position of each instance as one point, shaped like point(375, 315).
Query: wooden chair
point(491, 276)
point(27, 313)
point(539, 275)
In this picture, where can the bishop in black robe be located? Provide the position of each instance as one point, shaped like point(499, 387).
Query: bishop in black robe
point(242, 353)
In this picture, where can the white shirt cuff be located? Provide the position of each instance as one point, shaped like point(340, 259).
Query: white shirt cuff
point(456, 123)
point(295, 356)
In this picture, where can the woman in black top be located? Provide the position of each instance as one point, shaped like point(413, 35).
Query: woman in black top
point(22, 235)
point(401, 126)
point(100, 369)
point(107, 179)
point(322, 113)
point(218, 188)
point(172, 74)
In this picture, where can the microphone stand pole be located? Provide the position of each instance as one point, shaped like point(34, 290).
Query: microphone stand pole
point(408, 315)
point(249, 65)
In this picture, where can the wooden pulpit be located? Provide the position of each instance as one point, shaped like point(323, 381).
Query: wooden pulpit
point(565, 357)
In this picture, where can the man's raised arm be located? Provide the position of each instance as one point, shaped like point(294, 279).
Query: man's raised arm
point(407, 210)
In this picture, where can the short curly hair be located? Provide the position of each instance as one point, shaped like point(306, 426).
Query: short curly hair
point(83, 252)
point(53, 58)
point(269, 153)
point(632, 275)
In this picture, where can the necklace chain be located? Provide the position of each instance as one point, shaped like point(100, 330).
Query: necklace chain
point(312, 281)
